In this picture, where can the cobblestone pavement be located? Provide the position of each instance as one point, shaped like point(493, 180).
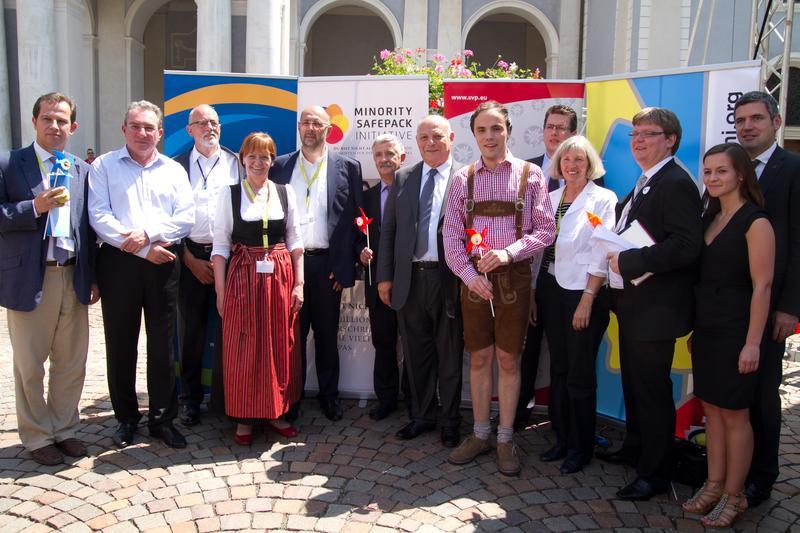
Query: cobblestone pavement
point(353, 475)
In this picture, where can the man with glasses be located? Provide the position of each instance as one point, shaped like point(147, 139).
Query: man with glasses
point(140, 205)
point(210, 167)
point(328, 190)
point(654, 313)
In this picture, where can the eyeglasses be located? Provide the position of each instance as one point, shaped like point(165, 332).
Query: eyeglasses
point(645, 134)
point(556, 128)
point(205, 123)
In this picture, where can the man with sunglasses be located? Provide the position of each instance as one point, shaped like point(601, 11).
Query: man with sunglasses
point(210, 167)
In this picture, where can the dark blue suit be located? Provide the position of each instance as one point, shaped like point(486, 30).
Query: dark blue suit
point(345, 242)
point(22, 249)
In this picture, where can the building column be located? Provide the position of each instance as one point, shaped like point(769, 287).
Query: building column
point(415, 25)
point(112, 74)
point(213, 35)
point(38, 70)
point(569, 37)
point(264, 32)
point(5, 93)
point(449, 40)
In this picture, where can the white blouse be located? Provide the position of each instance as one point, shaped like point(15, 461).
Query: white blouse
point(253, 211)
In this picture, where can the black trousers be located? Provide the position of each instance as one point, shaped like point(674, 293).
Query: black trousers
point(129, 285)
point(386, 373)
point(765, 413)
point(194, 302)
point(433, 345)
point(320, 311)
point(649, 407)
point(529, 367)
point(573, 377)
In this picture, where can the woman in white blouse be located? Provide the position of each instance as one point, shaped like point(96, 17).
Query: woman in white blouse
point(259, 297)
point(571, 301)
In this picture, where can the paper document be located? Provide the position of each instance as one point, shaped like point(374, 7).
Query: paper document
point(607, 241)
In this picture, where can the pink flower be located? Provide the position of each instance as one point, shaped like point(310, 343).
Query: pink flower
point(502, 64)
point(408, 52)
point(464, 73)
point(420, 50)
point(399, 58)
point(439, 69)
point(439, 58)
point(385, 54)
point(468, 53)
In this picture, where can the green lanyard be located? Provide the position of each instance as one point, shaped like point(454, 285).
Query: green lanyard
point(559, 213)
point(44, 170)
point(265, 221)
point(309, 183)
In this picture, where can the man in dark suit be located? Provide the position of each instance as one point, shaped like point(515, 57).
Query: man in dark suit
point(653, 314)
point(388, 153)
point(757, 122)
point(328, 190)
point(414, 279)
point(47, 284)
point(210, 167)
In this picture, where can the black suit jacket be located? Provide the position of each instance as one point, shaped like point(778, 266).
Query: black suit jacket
point(344, 198)
point(662, 307)
point(399, 238)
point(372, 207)
point(553, 184)
point(22, 250)
point(183, 159)
point(780, 184)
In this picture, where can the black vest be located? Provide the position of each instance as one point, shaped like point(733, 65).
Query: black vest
point(252, 233)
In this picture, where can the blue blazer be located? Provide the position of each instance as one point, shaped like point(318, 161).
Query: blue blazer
point(344, 199)
point(23, 251)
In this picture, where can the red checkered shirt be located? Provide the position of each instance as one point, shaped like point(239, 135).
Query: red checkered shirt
point(500, 184)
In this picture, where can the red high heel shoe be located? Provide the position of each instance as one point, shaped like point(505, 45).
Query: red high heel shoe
point(243, 440)
point(288, 432)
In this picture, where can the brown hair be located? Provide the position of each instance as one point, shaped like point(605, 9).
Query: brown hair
point(565, 110)
point(743, 166)
point(486, 106)
point(55, 98)
point(664, 118)
point(257, 142)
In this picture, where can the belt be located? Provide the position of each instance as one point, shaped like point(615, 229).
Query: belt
point(198, 246)
point(424, 265)
point(315, 251)
point(70, 262)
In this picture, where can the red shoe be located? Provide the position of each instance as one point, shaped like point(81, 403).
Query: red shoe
point(243, 440)
point(288, 432)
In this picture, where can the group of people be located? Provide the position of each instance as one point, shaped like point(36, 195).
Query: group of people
point(488, 258)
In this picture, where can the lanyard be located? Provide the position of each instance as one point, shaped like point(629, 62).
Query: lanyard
point(309, 183)
point(252, 196)
point(559, 212)
point(203, 174)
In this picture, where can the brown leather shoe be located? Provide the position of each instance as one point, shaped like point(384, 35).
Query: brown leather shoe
point(508, 459)
point(468, 450)
point(72, 447)
point(48, 455)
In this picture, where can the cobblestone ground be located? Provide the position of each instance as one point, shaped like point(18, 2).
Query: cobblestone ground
point(353, 475)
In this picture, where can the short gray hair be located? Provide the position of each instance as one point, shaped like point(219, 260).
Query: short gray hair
point(147, 106)
point(758, 96)
point(389, 138)
point(578, 143)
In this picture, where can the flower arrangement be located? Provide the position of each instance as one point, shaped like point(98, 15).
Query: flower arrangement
point(438, 68)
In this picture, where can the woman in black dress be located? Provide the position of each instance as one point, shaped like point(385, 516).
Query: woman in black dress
point(731, 307)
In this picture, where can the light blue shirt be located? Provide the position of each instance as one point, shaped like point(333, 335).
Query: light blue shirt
point(124, 195)
point(439, 189)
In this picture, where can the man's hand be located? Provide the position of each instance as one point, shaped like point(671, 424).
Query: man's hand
point(200, 269)
point(613, 262)
point(94, 294)
point(784, 325)
point(159, 255)
point(385, 292)
point(47, 200)
point(366, 256)
point(336, 285)
point(135, 240)
point(482, 287)
point(493, 259)
point(534, 320)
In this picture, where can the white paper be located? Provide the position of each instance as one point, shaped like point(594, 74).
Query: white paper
point(608, 242)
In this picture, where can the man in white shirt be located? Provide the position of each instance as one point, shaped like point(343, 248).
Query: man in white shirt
point(140, 205)
point(210, 167)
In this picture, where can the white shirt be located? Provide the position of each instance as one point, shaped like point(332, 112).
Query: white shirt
point(439, 188)
point(44, 157)
point(208, 175)
point(763, 158)
point(253, 211)
point(124, 195)
point(649, 173)
point(313, 220)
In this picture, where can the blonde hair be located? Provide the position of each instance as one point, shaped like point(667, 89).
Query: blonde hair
point(581, 144)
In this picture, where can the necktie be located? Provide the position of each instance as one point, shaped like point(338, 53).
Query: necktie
point(622, 223)
point(425, 206)
point(756, 162)
point(384, 196)
point(639, 184)
point(59, 254)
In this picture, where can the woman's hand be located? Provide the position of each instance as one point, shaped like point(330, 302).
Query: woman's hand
point(748, 358)
point(580, 320)
point(297, 297)
point(220, 300)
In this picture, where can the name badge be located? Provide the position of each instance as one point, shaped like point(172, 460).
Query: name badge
point(306, 219)
point(265, 266)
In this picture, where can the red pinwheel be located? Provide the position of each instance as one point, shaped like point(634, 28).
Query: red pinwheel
point(362, 222)
point(476, 239)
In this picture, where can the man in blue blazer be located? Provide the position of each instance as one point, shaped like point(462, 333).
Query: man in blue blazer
point(47, 279)
point(328, 190)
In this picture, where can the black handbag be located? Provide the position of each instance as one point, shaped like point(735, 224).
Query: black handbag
point(689, 463)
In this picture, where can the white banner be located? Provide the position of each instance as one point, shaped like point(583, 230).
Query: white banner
point(364, 107)
point(725, 87)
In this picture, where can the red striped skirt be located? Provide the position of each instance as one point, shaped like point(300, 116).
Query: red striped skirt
point(260, 355)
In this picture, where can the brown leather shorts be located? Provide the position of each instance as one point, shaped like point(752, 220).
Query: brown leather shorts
point(511, 287)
